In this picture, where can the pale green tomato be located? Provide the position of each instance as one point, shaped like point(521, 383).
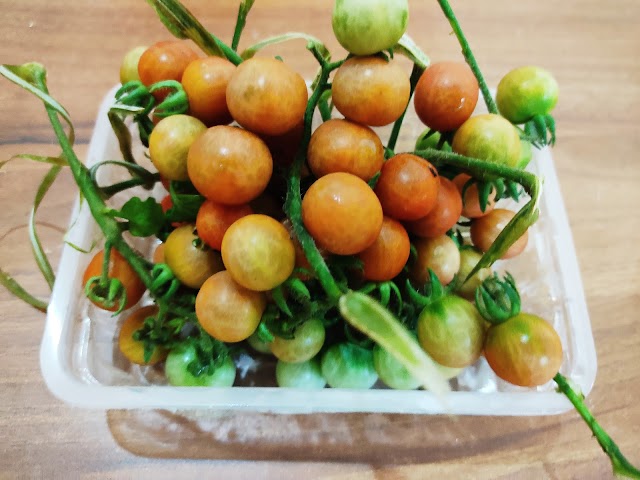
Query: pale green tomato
point(364, 27)
point(176, 369)
point(129, 66)
point(307, 341)
point(469, 258)
point(525, 92)
point(392, 372)
point(526, 154)
point(257, 344)
point(346, 365)
point(300, 375)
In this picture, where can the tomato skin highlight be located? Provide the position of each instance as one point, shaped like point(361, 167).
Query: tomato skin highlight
point(488, 137)
point(525, 350)
point(344, 146)
point(214, 219)
point(440, 254)
point(446, 95)
point(342, 213)
point(485, 230)
point(228, 311)
point(451, 331)
point(525, 92)
point(371, 91)
point(388, 254)
point(119, 269)
point(266, 96)
point(229, 165)
point(407, 187)
point(165, 60)
point(132, 349)
point(443, 216)
point(205, 83)
point(258, 252)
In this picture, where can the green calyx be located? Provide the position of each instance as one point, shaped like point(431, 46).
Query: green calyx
point(498, 300)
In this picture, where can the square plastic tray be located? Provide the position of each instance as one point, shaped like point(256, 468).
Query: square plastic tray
point(81, 365)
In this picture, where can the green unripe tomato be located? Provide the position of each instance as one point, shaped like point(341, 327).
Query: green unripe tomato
point(129, 66)
point(300, 375)
point(526, 154)
point(345, 365)
point(392, 372)
point(525, 92)
point(176, 369)
point(488, 137)
point(364, 27)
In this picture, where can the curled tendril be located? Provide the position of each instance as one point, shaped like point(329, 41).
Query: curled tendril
point(165, 284)
point(498, 300)
point(107, 293)
point(176, 102)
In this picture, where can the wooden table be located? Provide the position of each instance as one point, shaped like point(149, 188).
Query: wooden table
point(591, 46)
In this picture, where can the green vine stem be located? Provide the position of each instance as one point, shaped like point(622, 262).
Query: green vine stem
point(416, 73)
point(241, 21)
point(468, 55)
point(621, 466)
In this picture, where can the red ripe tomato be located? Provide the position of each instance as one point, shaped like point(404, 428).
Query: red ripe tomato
point(229, 165)
point(388, 255)
point(214, 219)
point(266, 96)
point(446, 95)
point(344, 146)
point(525, 350)
point(444, 215)
point(471, 202)
point(226, 310)
point(164, 61)
point(119, 269)
point(132, 349)
point(342, 213)
point(371, 91)
point(485, 230)
point(407, 187)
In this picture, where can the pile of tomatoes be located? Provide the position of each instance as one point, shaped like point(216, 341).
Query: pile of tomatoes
point(382, 220)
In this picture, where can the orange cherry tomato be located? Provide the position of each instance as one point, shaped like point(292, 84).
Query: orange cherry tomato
point(444, 215)
point(388, 255)
point(228, 311)
point(205, 83)
point(371, 91)
point(446, 95)
point(439, 254)
point(471, 202)
point(132, 349)
point(344, 146)
point(214, 219)
point(119, 269)
point(407, 187)
point(164, 61)
point(266, 96)
point(229, 165)
point(485, 230)
point(342, 213)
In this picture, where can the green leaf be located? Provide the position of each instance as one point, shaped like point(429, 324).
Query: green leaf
point(186, 202)
point(243, 11)
point(16, 289)
point(285, 37)
point(123, 135)
point(37, 158)
point(407, 47)
point(145, 217)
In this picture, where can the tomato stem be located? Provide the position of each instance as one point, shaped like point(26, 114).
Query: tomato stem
point(621, 466)
point(468, 55)
point(241, 21)
point(416, 73)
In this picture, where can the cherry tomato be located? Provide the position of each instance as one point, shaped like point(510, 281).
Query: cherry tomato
point(214, 219)
point(488, 137)
point(229, 165)
point(451, 331)
point(307, 341)
point(158, 254)
point(305, 375)
point(164, 61)
point(446, 95)
point(440, 254)
point(343, 146)
point(345, 365)
point(443, 216)
point(132, 349)
point(266, 96)
point(388, 254)
point(525, 92)
point(205, 83)
point(407, 187)
point(471, 201)
point(119, 269)
point(485, 230)
point(366, 27)
point(525, 350)
point(393, 373)
point(257, 344)
point(176, 369)
point(191, 264)
point(526, 154)
point(169, 144)
point(129, 66)
point(342, 213)
point(371, 91)
point(258, 252)
point(469, 258)
point(228, 311)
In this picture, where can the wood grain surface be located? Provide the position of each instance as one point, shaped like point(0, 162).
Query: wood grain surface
point(591, 47)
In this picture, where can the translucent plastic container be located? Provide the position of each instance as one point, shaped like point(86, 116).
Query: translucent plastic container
point(82, 366)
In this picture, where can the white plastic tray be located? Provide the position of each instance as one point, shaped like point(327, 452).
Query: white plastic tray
point(81, 366)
